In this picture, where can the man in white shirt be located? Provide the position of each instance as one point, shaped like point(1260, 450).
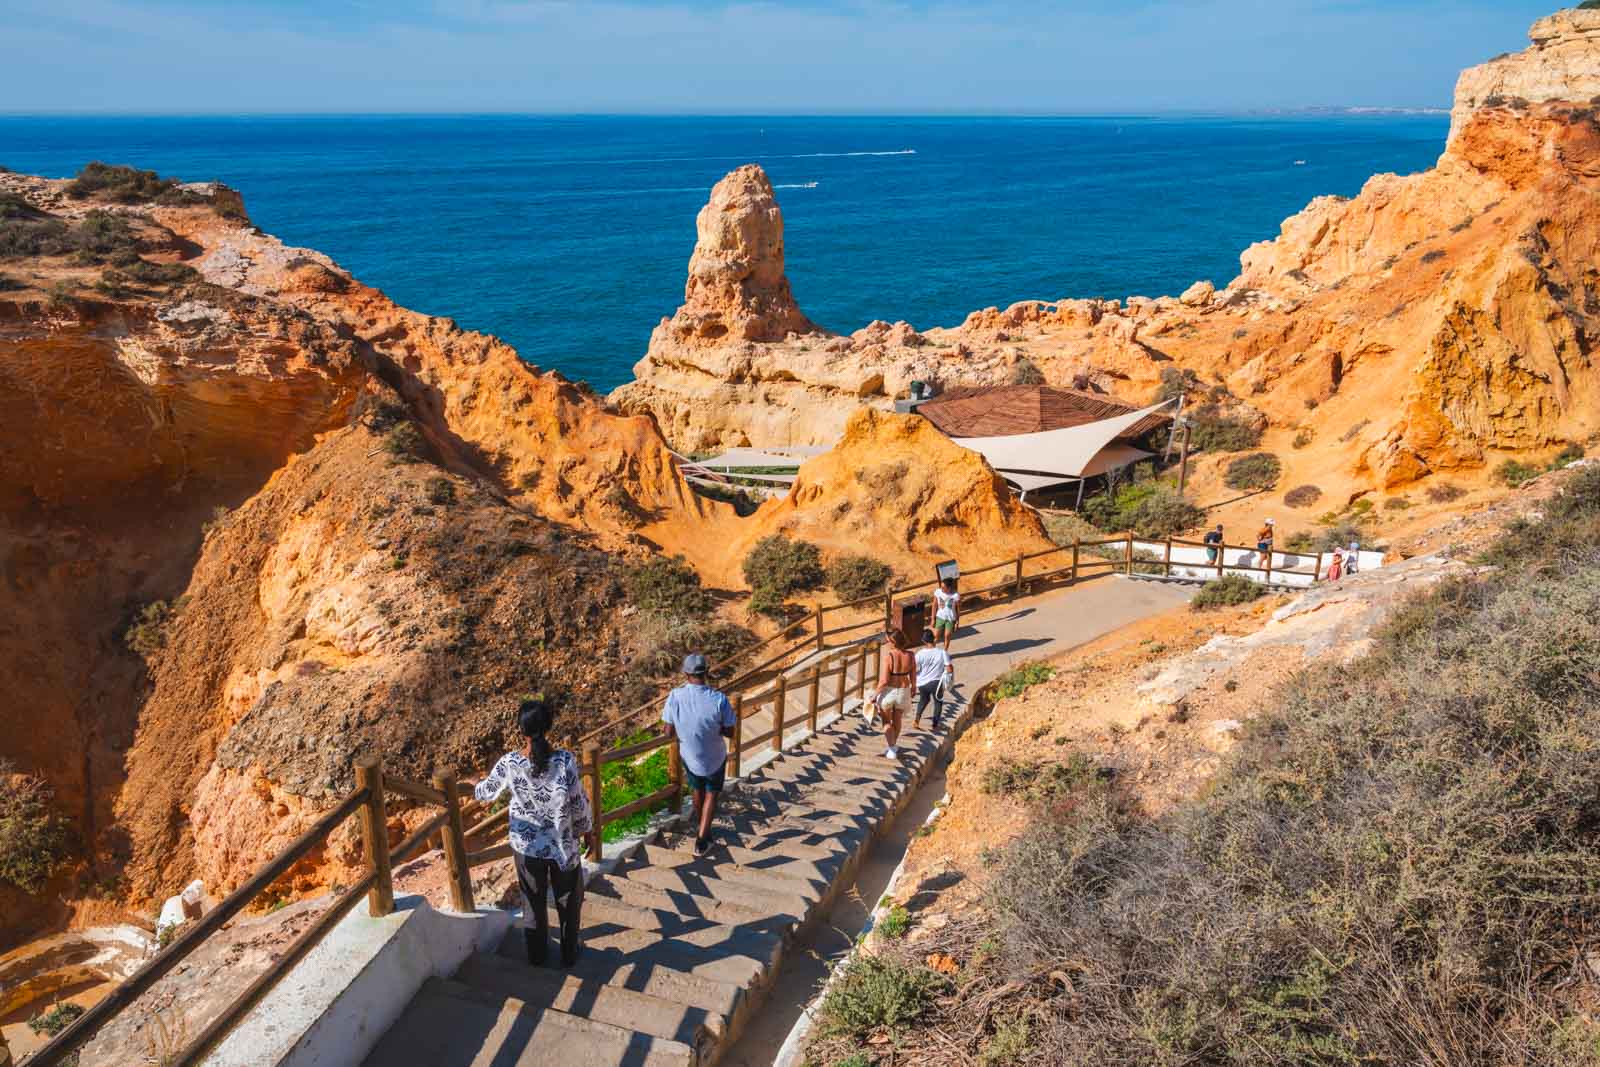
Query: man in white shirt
point(947, 610)
point(935, 672)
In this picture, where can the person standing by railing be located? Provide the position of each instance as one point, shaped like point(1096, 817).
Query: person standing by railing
point(894, 688)
point(1213, 542)
point(701, 718)
point(549, 815)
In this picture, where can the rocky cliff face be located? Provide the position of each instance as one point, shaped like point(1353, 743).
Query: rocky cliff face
point(1432, 323)
point(257, 520)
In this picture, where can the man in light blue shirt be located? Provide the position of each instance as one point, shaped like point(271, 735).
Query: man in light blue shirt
point(700, 717)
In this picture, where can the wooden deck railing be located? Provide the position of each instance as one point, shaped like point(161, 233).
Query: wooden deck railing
point(756, 689)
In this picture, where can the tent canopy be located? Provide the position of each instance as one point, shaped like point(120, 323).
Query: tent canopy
point(1072, 452)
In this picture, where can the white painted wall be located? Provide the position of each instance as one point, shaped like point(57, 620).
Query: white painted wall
point(1288, 568)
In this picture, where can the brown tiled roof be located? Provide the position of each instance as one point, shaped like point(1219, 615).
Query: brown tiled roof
point(1003, 410)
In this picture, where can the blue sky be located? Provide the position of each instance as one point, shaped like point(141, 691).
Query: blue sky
point(762, 57)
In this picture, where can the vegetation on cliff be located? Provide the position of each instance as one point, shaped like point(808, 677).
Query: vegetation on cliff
point(1396, 864)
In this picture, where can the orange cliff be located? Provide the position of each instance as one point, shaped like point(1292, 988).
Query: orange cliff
point(1431, 324)
point(258, 521)
point(363, 530)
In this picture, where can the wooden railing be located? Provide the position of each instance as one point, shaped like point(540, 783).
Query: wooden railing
point(368, 800)
point(753, 691)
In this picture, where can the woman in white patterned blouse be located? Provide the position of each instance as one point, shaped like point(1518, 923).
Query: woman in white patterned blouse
point(549, 815)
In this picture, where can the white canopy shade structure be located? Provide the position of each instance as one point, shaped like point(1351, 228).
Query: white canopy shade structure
point(1069, 453)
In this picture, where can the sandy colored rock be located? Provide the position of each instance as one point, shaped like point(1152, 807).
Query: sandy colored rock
point(896, 488)
point(1452, 312)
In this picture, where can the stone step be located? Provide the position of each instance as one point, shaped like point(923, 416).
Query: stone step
point(449, 1024)
point(811, 823)
point(861, 792)
point(659, 970)
point(866, 770)
point(791, 837)
point(831, 850)
point(720, 864)
point(604, 913)
point(542, 987)
point(786, 800)
point(812, 864)
point(733, 890)
point(718, 953)
point(691, 906)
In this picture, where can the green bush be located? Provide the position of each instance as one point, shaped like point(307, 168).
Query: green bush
point(147, 633)
point(1229, 590)
point(441, 491)
point(57, 1019)
point(667, 586)
point(778, 566)
point(1036, 780)
point(125, 185)
point(1566, 457)
point(1302, 438)
point(1176, 383)
point(403, 443)
point(872, 994)
point(1017, 679)
point(1514, 474)
point(1300, 541)
point(1397, 850)
point(1149, 509)
point(34, 839)
point(1259, 470)
point(1339, 535)
point(1215, 432)
point(895, 922)
point(856, 577)
point(1302, 496)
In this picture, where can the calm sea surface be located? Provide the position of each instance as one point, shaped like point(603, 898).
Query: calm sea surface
point(569, 237)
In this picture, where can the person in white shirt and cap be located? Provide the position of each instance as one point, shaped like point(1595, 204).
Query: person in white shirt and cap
point(1352, 557)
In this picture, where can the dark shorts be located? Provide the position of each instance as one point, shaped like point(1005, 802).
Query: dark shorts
point(706, 783)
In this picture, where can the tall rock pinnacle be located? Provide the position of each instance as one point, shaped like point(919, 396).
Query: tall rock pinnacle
point(737, 290)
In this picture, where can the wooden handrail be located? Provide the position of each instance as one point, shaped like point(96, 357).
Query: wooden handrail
point(414, 790)
point(84, 1027)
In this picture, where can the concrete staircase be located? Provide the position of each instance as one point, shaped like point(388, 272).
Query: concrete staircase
point(678, 950)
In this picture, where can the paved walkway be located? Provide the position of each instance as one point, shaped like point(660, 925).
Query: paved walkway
point(680, 950)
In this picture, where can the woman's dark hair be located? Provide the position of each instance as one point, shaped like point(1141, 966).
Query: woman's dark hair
point(927, 636)
point(948, 583)
point(534, 717)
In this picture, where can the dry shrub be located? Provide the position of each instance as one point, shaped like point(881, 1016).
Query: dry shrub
point(1444, 493)
point(34, 838)
point(1302, 496)
point(1396, 864)
point(1259, 470)
point(856, 577)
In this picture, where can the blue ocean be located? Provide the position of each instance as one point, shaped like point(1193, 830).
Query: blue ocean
point(569, 236)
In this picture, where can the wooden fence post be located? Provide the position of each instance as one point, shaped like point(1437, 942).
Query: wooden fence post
point(737, 741)
point(888, 605)
point(1166, 564)
point(675, 769)
point(1017, 591)
point(375, 837)
point(591, 783)
point(1222, 556)
point(816, 696)
point(1130, 552)
point(780, 708)
point(819, 630)
point(1316, 570)
point(1075, 547)
point(455, 845)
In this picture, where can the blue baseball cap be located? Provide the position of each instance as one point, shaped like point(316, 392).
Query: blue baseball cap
point(695, 663)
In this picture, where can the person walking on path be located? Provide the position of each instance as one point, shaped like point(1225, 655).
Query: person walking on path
point(549, 816)
point(934, 673)
point(947, 610)
point(701, 718)
point(1352, 562)
point(1264, 537)
point(1213, 540)
point(1336, 566)
point(894, 688)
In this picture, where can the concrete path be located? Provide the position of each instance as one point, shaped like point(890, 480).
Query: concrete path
point(680, 950)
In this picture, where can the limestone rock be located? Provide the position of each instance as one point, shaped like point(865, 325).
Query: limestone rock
point(1562, 65)
point(1198, 295)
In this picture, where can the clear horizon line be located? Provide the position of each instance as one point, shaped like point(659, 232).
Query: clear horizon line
point(1307, 109)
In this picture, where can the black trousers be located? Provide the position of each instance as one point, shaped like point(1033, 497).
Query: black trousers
point(537, 877)
point(929, 693)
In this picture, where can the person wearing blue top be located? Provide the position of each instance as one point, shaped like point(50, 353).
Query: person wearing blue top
point(701, 718)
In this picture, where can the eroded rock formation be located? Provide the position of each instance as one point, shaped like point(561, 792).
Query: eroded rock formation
point(1432, 323)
